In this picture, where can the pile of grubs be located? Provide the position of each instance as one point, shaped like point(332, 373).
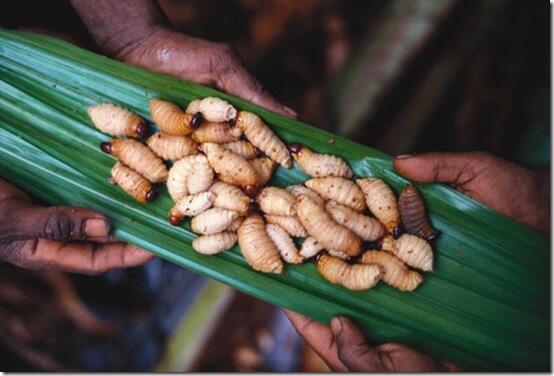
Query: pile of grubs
point(222, 160)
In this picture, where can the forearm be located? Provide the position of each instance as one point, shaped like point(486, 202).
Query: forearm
point(118, 24)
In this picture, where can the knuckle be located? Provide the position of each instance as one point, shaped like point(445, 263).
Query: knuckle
point(57, 226)
point(226, 50)
point(225, 58)
point(345, 354)
point(11, 252)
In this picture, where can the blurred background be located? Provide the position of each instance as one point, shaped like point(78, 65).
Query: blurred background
point(400, 76)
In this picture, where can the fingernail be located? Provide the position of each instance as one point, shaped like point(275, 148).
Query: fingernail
point(404, 156)
point(97, 227)
point(336, 325)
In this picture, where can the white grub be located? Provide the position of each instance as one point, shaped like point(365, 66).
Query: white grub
point(310, 248)
point(284, 243)
point(213, 109)
point(215, 243)
point(212, 221)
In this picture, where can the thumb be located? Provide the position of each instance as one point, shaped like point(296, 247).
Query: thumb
point(353, 349)
point(456, 168)
point(62, 223)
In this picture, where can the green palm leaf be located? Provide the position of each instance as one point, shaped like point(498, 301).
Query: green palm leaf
point(485, 307)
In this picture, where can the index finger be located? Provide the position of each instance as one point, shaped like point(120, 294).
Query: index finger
point(82, 257)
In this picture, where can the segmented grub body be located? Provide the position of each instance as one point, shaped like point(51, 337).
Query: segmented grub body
point(139, 157)
point(338, 254)
point(367, 228)
point(259, 134)
point(213, 221)
point(257, 247)
point(340, 190)
point(171, 119)
point(230, 197)
point(310, 247)
point(319, 165)
point(395, 272)
point(133, 183)
point(189, 175)
point(213, 109)
point(291, 224)
point(264, 167)
point(190, 206)
point(215, 243)
point(299, 189)
point(284, 243)
point(413, 214)
point(232, 168)
point(117, 121)
point(354, 277)
point(414, 251)
point(234, 226)
point(172, 148)
point(319, 224)
point(218, 133)
point(201, 174)
point(243, 148)
point(381, 201)
point(277, 201)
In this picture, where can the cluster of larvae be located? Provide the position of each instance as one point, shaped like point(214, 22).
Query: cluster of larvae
point(338, 217)
point(220, 162)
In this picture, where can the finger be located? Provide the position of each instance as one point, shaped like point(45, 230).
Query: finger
point(238, 81)
point(455, 168)
point(62, 223)
point(400, 358)
point(353, 349)
point(81, 257)
point(9, 191)
point(104, 239)
point(319, 337)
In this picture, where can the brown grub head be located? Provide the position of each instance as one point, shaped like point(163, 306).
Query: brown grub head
point(142, 129)
point(251, 190)
point(152, 194)
point(432, 236)
point(252, 207)
point(106, 147)
point(175, 220)
point(196, 120)
point(233, 121)
point(295, 148)
point(397, 231)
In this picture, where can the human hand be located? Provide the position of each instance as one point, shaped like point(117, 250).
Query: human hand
point(503, 186)
point(138, 32)
point(59, 238)
point(200, 61)
point(343, 347)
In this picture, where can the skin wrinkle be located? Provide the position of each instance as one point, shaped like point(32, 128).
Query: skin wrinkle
point(37, 238)
point(138, 32)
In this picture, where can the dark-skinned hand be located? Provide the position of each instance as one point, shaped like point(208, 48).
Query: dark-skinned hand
point(515, 191)
point(59, 238)
point(201, 61)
